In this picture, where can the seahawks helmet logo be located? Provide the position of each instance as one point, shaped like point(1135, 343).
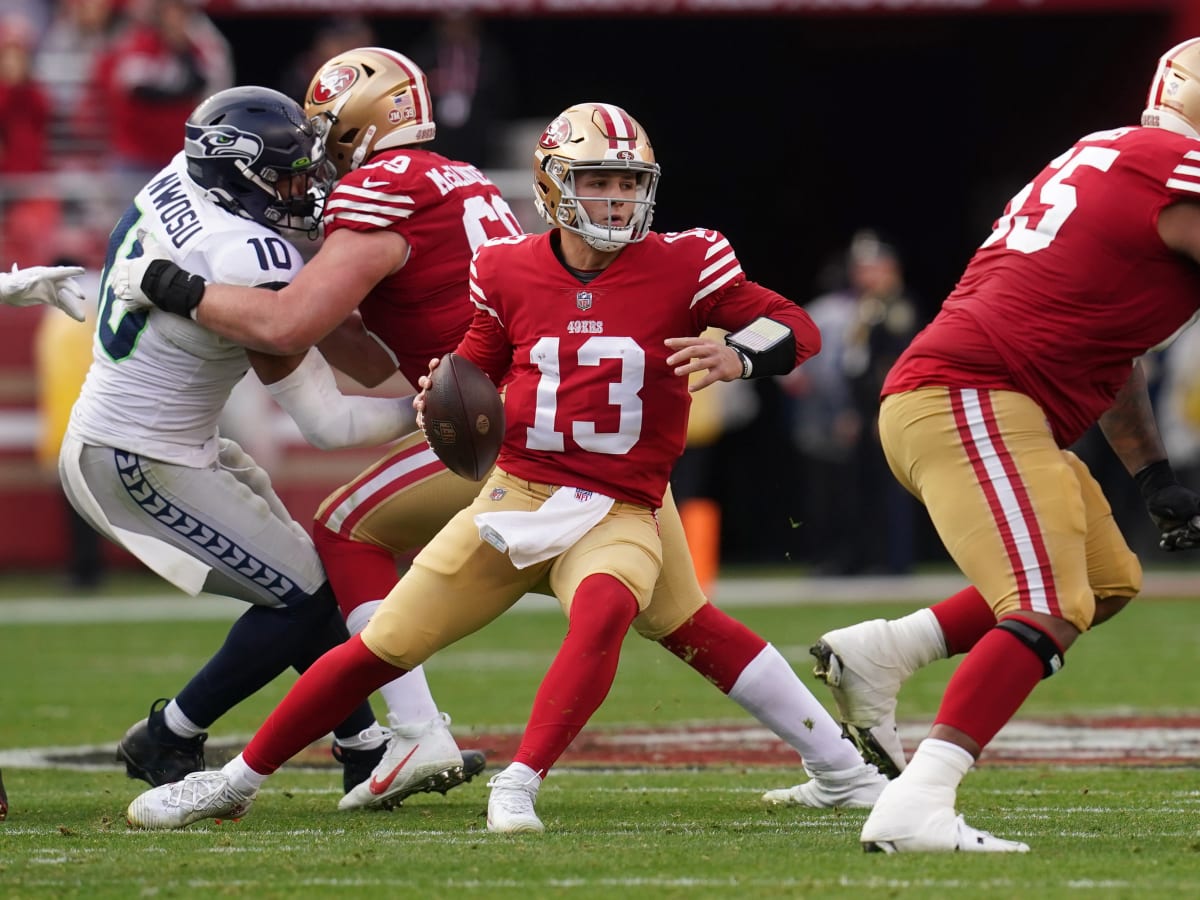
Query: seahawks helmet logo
point(222, 142)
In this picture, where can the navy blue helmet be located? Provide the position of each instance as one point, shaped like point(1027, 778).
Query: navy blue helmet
point(259, 157)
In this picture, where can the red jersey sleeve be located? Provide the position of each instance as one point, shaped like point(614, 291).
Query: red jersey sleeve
point(725, 298)
point(486, 343)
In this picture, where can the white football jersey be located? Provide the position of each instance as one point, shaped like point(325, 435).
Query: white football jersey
point(158, 381)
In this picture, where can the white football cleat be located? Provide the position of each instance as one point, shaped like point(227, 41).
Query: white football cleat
point(510, 805)
point(201, 795)
point(938, 832)
point(864, 671)
point(920, 818)
point(420, 756)
point(856, 788)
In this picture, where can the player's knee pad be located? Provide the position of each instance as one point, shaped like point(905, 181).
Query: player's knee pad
point(1036, 640)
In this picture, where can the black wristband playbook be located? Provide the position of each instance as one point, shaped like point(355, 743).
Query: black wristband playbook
point(766, 347)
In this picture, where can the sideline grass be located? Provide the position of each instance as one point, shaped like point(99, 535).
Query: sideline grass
point(1107, 831)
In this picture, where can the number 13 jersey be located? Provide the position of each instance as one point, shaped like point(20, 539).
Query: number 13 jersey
point(590, 400)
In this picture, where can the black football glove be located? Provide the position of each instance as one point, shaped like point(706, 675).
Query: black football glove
point(1174, 508)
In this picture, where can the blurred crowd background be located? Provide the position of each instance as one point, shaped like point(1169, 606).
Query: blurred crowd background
point(855, 152)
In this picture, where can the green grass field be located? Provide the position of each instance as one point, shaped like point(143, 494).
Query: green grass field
point(1108, 830)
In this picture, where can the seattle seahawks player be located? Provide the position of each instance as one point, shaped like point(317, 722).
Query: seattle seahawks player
point(143, 461)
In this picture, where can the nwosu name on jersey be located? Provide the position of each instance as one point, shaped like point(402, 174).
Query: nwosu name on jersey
point(174, 207)
point(444, 210)
point(1073, 283)
point(590, 399)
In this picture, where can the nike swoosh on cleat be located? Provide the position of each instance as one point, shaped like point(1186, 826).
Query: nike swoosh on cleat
point(379, 787)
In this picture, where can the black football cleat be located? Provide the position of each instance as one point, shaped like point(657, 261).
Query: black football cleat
point(155, 754)
point(357, 765)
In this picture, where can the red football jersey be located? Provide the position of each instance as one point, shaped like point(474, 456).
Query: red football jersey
point(1072, 285)
point(445, 210)
point(591, 402)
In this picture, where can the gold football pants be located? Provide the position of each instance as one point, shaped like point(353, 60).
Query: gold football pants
point(1024, 519)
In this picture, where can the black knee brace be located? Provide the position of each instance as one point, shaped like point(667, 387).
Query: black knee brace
point(1037, 641)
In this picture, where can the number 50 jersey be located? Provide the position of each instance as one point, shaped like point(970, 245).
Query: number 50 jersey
point(590, 401)
point(1073, 283)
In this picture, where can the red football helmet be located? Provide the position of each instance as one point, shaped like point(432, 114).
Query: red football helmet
point(1174, 101)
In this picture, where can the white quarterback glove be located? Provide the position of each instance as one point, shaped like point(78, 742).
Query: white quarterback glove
point(47, 285)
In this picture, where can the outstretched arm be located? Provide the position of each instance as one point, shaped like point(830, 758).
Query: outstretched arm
point(47, 285)
point(287, 321)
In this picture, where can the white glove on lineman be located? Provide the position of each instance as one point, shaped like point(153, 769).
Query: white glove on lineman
point(125, 276)
point(48, 285)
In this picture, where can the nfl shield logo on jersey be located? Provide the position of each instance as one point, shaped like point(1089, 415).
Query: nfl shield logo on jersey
point(583, 301)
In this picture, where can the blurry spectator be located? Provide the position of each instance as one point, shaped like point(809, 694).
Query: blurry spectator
point(62, 355)
point(835, 403)
point(337, 35)
point(25, 217)
point(155, 73)
point(24, 104)
point(471, 87)
point(66, 57)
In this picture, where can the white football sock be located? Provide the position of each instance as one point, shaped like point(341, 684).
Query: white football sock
point(769, 690)
point(178, 723)
point(242, 778)
point(939, 764)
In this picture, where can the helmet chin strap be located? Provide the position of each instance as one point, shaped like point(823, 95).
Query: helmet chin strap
point(360, 152)
point(1169, 120)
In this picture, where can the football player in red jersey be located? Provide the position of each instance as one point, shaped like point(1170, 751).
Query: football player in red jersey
point(584, 325)
point(1091, 264)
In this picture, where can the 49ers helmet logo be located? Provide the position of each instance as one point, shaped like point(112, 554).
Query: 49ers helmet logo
point(332, 82)
point(556, 133)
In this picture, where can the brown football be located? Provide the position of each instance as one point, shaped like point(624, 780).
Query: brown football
point(464, 417)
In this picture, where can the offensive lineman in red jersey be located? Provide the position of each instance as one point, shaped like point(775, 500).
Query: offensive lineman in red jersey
point(584, 324)
point(1092, 264)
